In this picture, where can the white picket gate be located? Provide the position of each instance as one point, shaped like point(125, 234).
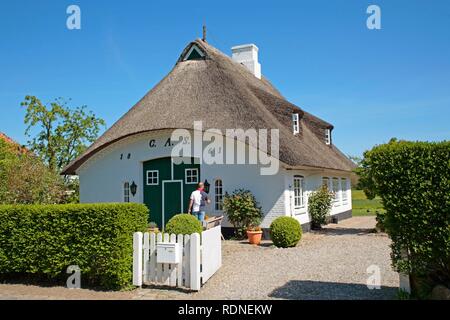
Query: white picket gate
point(201, 257)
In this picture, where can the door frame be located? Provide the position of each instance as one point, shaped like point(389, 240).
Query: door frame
point(162, 200)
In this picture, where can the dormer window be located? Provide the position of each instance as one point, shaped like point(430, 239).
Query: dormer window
point(295, 123)
point(194, 53)
point(328, 136)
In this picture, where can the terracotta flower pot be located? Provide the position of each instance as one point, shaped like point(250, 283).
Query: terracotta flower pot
point(254, 237)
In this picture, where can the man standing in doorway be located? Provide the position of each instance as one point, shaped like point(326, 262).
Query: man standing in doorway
point(199, 199)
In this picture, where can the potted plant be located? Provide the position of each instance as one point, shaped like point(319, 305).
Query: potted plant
point(254, 235)
point(153, 227)
point(242, 210)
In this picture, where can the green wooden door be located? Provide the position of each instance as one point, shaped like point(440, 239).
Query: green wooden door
point(173, 199)
point(155, 172)
point(167, 193)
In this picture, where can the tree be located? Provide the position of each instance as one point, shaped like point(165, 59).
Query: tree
point(24, 179)
point(63, 133)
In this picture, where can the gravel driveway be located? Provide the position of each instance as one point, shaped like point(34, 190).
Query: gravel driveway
point(330, 264)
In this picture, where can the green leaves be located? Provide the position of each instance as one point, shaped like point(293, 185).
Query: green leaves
point(319, 206)
point(285, 232)
point(57, 133)
point(25, 179)
point(242, 210)
point(183, 224)
point(46, 239)
point(412, 179)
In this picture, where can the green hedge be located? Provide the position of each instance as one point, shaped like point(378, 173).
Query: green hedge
point(183, 224)
point(43, 240)
point(413, 181)
point(285, 232)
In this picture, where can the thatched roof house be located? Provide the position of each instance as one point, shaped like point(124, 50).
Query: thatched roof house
point(223, 93)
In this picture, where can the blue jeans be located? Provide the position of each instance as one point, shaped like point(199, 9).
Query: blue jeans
point(200, 215)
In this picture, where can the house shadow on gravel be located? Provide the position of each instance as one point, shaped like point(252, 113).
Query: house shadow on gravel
point(318, 290)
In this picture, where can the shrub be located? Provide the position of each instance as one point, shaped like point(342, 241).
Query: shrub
point(380, 218)
point(43, 240)
point(184, 224)
point(285, 232)
point(242, 210)
point(25, 179)
point(319, 206)
point(412, 179)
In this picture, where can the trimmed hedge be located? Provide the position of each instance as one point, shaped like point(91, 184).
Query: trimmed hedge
point(43, 240)
point(183, 224)
point(285, 232)
point(413, 181)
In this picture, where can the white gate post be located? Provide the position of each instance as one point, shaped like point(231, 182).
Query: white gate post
point(195, 262)
point(137, 259)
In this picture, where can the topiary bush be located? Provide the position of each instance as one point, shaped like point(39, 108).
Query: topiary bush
point(183, 224)
point(43, 240)
point(285, 232)
point(242, 210)
point(319, 206)
point(413, 181)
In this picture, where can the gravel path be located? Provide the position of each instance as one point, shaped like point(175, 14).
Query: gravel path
point(330, 264)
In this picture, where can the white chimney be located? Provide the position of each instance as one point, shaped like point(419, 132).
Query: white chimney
point(247, 54)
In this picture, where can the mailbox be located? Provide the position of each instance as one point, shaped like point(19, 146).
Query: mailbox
point(168, 252)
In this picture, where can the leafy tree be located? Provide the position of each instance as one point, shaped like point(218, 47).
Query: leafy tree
point(24, 179)
point(63, 133)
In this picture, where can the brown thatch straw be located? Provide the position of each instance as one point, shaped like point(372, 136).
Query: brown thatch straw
point(224, 95)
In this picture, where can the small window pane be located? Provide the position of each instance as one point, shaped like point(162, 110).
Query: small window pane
point(295, 123)
point(152, 177)
point(327, 136)
point(191, 176)
point(336, 189)
point(126, 192)
point(218, 195)
point(299, 192)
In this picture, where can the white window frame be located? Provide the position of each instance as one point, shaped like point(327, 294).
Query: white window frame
point(328, 136)
point(157, 178)
point(194, 47)
point(296, 123)
point(336, 190)
point(191, 170)
point(301, 196)
point(126, 192)
point(344, 190)
point(218, 197)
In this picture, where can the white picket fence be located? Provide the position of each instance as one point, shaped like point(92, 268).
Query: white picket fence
point(201, 257)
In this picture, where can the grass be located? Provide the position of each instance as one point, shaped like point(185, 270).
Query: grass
point(363, 206)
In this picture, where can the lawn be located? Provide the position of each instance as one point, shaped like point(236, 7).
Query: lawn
point(363, 206)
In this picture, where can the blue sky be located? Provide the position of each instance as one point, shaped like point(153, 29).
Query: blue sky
point(371, 84)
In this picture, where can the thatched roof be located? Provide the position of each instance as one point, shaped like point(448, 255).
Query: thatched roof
point(224, 95)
